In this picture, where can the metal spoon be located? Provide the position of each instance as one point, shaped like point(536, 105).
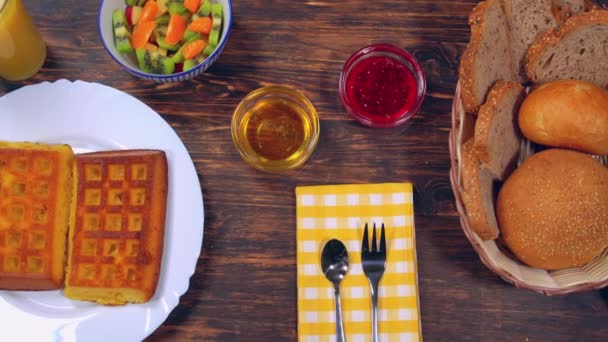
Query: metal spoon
point(334, 262)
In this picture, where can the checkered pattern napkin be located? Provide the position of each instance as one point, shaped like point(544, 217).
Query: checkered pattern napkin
point(341, 211)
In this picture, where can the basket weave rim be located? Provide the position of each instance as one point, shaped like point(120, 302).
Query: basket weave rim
point(454, 144)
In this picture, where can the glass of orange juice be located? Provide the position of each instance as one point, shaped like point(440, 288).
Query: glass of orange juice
point(22, 50)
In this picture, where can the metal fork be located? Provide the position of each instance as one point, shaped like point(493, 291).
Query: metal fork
point(374, 264)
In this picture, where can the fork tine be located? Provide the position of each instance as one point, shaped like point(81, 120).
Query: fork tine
point(365, 244)
point(382, 240)
point(374, 243)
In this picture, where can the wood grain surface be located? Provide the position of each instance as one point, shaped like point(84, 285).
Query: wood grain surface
point(244, 288)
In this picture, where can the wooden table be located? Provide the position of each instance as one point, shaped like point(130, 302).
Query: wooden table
point(244, 287)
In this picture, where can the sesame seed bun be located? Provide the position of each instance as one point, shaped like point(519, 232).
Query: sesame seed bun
point(553, 210)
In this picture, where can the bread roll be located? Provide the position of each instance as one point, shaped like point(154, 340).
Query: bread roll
point(553, 210)
point(567, 113)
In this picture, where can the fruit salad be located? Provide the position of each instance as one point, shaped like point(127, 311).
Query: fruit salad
point(167, 36)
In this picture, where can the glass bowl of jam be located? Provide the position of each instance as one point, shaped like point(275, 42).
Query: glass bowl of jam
point(382, 85)
point(275, 128)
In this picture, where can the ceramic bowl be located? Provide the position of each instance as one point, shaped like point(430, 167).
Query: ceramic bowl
point(129, 63)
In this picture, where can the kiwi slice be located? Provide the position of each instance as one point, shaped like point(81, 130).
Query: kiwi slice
point(216, 17)
point(178, 57)
point(154, 63)
point(162, 6)
point(151, 47)
point(177, 8)
point(191, 63)
point(163, 44)
point(160, 32)
point(205, 9)
point(163, 19)
point(208, 50)
point(121, 33)
point(191, 35)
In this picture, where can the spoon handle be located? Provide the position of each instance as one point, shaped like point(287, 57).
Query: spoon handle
point(339, 324)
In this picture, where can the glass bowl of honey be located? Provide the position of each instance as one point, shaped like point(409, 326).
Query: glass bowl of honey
point(382, 85)
point(275, 128)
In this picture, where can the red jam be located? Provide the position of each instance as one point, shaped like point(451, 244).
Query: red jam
point(381, 89)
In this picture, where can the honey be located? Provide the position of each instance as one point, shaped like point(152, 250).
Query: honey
point(275, 128)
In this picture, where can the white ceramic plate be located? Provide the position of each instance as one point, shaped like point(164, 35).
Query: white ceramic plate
point(93, 117)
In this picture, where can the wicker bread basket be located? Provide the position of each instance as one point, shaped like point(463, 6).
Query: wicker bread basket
point(493, 253)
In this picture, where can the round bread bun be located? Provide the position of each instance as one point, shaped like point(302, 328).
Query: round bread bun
point(570, 114)
point(553, 210)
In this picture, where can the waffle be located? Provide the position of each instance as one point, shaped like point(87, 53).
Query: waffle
point(35, 193)
point(116, 243)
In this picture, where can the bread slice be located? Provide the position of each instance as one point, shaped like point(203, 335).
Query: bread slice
point(574, 5)
point(497, 135)
point(35, 195)
point(116, 242)
point(526, 19)
point(579, 50)
point(488, 56)
point(478, 194)
point(564, 9)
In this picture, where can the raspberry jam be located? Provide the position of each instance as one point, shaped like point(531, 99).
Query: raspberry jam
point(382, 85)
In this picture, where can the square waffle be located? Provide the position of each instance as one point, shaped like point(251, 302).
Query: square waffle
point(118, 215)
point(35, 193)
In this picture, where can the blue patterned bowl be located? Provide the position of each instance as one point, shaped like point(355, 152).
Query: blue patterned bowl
point(104, 23)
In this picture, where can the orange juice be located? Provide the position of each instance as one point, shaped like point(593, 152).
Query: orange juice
point(22, 50)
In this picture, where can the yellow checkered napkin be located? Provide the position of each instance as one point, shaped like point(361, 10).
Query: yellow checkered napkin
point(341, 211)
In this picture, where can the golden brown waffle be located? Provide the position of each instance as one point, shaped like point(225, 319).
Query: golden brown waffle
point(35, 192)
point(116, 242)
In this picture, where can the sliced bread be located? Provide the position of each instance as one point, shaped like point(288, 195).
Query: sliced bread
point(478, 194)
point(497, 135)
point(488, 55)
point(564, 9)
point(526, 19)
point(573, 6)
point(578, 50)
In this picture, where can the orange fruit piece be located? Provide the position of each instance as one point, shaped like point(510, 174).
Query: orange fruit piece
point(141, 34)
point(201, 25)
point(149, 11)
point(194, 48)
point(192, 5)
point(176, 29)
